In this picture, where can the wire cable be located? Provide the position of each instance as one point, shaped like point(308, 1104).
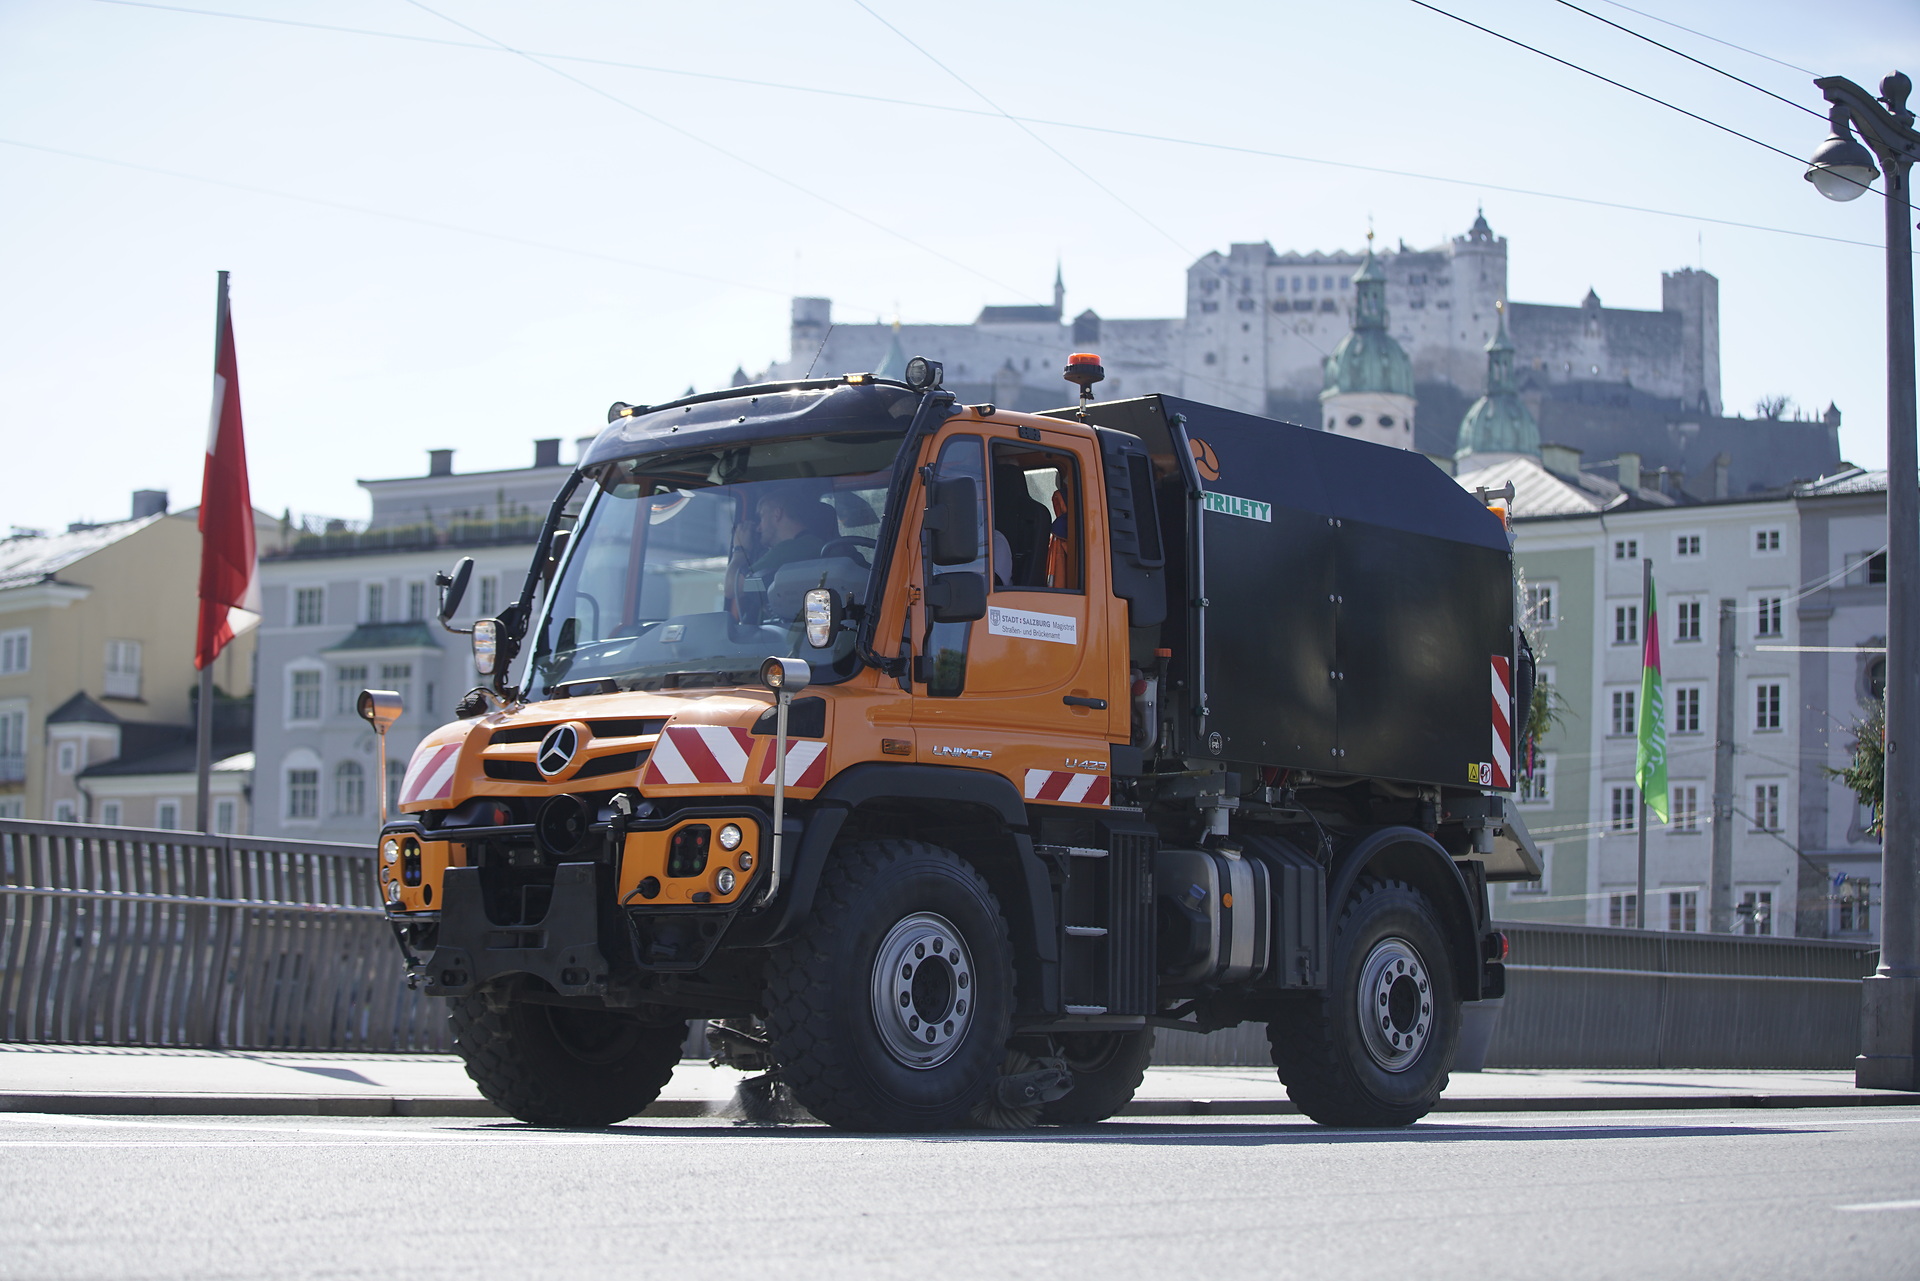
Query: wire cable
point(1668, 22)
point(734, 156)
point(1638, 93)
point(1800, 106)
point(1169, 140)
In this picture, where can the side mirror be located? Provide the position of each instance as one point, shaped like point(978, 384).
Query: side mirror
point(454, 589)
point(821, 614)
point(953, 518)
point(957, 598)
point(486, 645)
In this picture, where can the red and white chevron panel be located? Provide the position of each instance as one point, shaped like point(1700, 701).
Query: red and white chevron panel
point(699, 754)
point(1067, 787)
point(430, 774)
point(1502, 725)
point(806, 764)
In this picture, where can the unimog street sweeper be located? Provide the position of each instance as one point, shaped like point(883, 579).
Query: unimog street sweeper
point(938, 754)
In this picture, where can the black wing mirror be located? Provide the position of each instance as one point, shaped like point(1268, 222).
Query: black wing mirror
point(953, 518)
point(453, 589)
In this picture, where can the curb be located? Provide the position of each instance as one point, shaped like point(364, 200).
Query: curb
point(443, 1106)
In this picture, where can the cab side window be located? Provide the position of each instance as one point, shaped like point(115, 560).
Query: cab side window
point(1037, 539)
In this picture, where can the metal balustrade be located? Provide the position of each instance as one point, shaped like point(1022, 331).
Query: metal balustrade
point(123, 936)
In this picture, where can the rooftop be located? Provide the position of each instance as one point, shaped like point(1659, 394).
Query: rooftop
point(26, 559)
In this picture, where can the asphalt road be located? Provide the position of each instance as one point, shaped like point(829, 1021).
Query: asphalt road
point(1827, 1192)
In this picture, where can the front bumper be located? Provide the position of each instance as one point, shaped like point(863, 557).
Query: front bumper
point(563, 949)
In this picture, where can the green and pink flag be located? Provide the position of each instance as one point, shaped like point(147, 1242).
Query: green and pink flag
point(1650, 754)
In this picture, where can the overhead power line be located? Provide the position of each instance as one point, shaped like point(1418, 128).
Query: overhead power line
point(1754, 53)
point(880, 100)
point(1818, 115)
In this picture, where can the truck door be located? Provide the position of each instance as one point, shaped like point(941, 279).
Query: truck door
point(1039, 690)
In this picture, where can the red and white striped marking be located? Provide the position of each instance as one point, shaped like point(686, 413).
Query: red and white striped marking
point(806, 764)
point(1502, 725)
point(1067, 787)
point(699, 754)
point(430, 774)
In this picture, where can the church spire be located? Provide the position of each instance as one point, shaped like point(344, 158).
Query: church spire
point(1499, 422)
point(1059, 291)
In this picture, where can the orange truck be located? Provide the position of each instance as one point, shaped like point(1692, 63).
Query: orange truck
point(938, 754)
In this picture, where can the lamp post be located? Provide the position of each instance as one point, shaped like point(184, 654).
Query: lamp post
point(1840, 170)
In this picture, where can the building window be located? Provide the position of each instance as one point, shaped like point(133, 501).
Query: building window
point(13, 746)
point(489, 596)
point(1755, 912)
point(1625, 720)
point(416, 602)
point(309, 606)
point(1624, 808)
point(347, 684)
point(1683, 911)
point(1766, 807)
point(1866, 568)
point(225, 815)
point(305, 702)
point(1626, 549)
point(1766, 707)
point(1854, 898)
point(1537, 788)
point(1687, 628)
point(1767, 617)
point(1686, 545)
point(166, 815)
point(123, 669)
point(376, 602)
point(1623, 911)
point(1626, 624)
point(349, 789)
point(1686, 710)
point(396, 771)
point(398, 677)
point(1766, 542)
point(69, 758)
point(303, 793)
point(1684, 803)
point(1541, 614)
point(63, 812)
point(110, 813)
point(16, 650)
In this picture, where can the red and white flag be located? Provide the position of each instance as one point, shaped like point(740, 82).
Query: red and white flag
point(229, 575)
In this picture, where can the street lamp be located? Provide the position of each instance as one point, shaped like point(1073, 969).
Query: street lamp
point(1840, 170)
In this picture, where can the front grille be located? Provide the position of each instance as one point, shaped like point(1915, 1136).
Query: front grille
point(514, 772)
point(617, 763)
point(632, 728)
point(519, 734)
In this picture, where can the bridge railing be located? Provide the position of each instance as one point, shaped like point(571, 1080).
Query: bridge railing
point(124, 936)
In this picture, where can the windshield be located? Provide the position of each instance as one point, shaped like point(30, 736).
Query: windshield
point(688, 569)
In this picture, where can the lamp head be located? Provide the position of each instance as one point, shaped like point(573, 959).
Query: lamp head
point(378, 708)
point(1842, 167)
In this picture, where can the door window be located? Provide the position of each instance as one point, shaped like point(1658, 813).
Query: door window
point(945, 651)
point(1037, 538)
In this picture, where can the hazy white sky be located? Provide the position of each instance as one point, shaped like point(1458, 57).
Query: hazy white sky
point(436, 246)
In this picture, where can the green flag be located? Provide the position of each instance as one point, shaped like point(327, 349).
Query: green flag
point(1650, 754)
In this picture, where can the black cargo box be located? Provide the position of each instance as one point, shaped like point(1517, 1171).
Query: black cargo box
point(1358, 612)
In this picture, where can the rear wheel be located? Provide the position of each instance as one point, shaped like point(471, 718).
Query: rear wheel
point(1107, 1068)
point(889, 1010)
point(561, 1066)
point(1374, 1049)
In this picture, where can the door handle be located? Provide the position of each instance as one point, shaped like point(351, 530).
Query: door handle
point(1074, 700)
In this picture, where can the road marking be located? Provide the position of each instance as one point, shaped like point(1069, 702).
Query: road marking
point(1879, 1205)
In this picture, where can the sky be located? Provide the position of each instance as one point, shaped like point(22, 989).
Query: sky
point(467, 224)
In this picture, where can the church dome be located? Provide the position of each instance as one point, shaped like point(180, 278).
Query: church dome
point(1499, 422)
point(1368, 359)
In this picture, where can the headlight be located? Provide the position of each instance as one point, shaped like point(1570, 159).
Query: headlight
point(746, 861)
point(486, 645)
point(390, 850)
point(393, 892)
point(723, 880)
point(730, 838)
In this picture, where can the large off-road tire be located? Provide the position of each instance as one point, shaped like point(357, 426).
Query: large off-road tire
point(560, 1066)
point(889, 1009)
point(1374, 1049)
point(1107, 1068)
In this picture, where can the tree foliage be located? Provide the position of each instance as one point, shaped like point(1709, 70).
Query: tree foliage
point(1866, 775)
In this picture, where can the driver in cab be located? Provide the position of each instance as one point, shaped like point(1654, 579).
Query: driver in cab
point(779, 528)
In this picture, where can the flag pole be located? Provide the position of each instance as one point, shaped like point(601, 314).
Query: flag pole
point(203, 729)
point(1640, 784)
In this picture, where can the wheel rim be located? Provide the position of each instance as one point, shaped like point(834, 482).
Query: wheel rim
point(923, 990)
point(1395, 1004)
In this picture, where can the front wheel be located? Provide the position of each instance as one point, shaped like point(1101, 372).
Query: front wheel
point(563, 1066)
point(1374, 1049)
point(890, 1009)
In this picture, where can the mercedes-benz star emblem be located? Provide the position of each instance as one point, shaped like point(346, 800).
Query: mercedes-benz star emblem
point(557, 749)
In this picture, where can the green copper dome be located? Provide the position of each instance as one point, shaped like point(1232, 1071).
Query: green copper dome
point(1368, 359)
point(1498, 422)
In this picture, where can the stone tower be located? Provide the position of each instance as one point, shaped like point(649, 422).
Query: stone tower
point(1369, 380)
point(1498, 422)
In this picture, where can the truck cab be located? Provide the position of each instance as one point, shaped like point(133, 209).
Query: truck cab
point(937, 754)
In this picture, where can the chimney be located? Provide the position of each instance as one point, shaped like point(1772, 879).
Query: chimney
point(1561, 460)
point(1722, 483)
point(1629, 470)
point(149, 502)
point(439, 462)
point(546, 453)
